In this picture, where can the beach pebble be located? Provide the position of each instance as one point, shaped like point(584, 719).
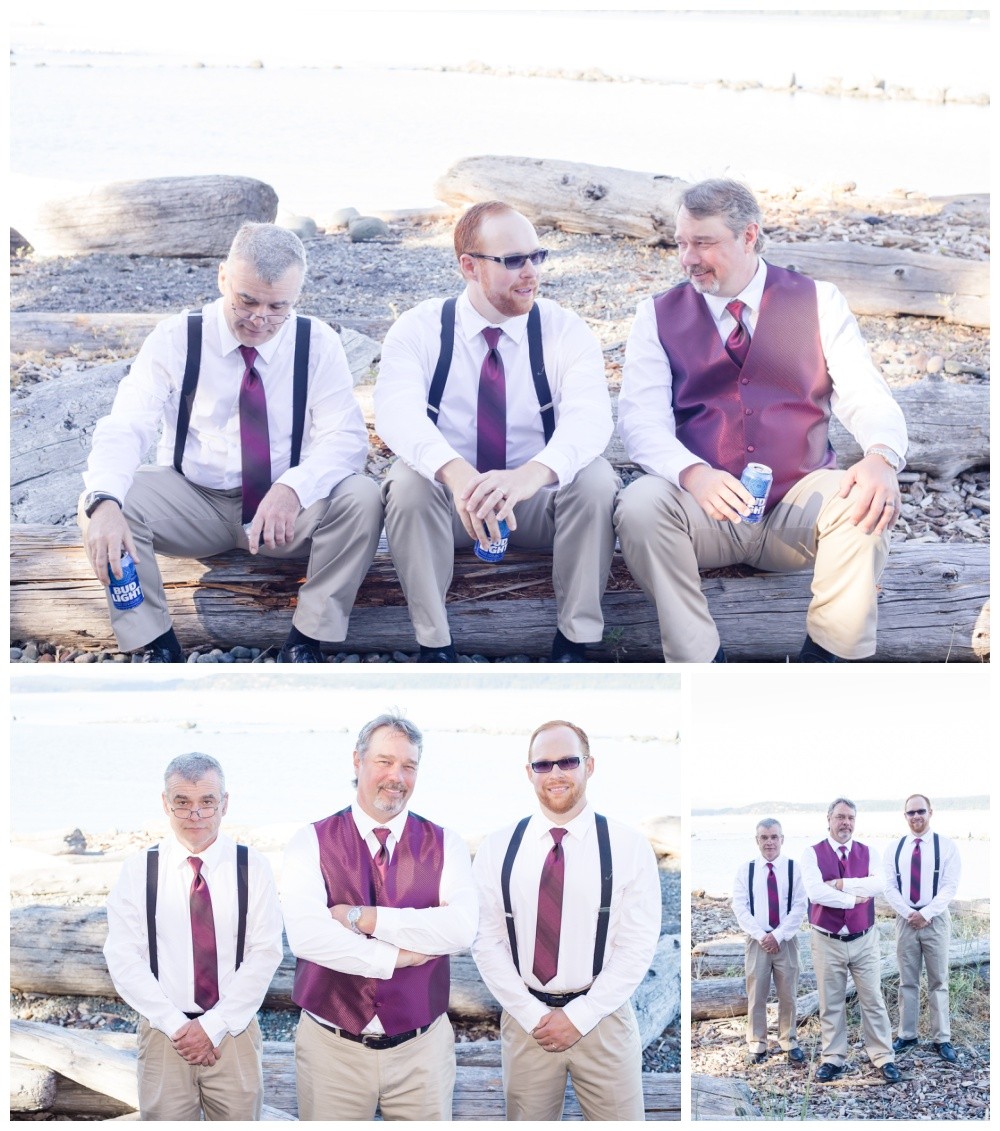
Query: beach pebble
point(341, 219)
point(367, 228)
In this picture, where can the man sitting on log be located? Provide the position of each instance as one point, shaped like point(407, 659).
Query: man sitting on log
point(194, 938)
point(498, 408)
point(744, 363)
point(769, 903)
point(375, 899)
point(262, 449)
point(569, 921)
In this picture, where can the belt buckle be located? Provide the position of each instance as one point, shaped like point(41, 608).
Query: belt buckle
point(371, 1040)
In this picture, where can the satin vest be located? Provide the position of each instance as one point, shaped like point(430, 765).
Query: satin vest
point(834, 919)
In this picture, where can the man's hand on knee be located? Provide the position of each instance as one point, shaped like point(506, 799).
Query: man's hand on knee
point(876, 493)
point(193, 1044)
point(274, 522)
point(460, 477)
point(720, 495)
point(107, 535)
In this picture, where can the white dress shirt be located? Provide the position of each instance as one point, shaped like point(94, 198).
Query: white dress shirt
point(819, 891)
point(948, 877)
point(757, 925)
point(633, 927)
point(861, 399)
point(165, 1001)
point(574, 365)
point(334, 442)
point(315, 935)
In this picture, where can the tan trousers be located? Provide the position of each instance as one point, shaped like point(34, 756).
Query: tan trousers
point(574, 522)
point(832, 961)
point(170, 515)
point(341, 1079)
point(929, 944)
point(605, 1067)
point(170, 1088)
point(761, 967)
point(666, 538)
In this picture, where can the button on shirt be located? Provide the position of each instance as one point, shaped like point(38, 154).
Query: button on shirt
point(861, 399)
point(164, 1002)
point(334, 445)
point(574, 365)
point(757, 925)
point(819, 892)
point(948, 877)
point(633, 928)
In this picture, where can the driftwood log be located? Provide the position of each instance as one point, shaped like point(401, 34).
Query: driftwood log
point(712, 1098)
point(930, 598)
point(170, 216)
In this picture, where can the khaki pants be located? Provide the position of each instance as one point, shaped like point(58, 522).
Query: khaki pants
point(930, 945)
point(574, 522)
point(833, 961)
point(666, 538)
point(170, 1088)
point(605, 1067)
point(761, 967)
point(341, 1079)
point(170, 515)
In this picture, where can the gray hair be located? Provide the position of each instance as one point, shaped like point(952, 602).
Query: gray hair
point(193, 767)
point(394, 721)
point(840, 801)
point(268, 249)
point(769, 823)
point(734, 202)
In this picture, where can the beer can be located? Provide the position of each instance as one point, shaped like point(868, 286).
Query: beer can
point(496, 550)
point(126, 592)
point(757, 478)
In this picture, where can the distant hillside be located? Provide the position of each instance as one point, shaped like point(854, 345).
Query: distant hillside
point(981, 801)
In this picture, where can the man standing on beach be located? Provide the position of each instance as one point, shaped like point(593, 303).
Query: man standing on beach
point(921, 878)
point(744, 363)
point(842, 877)
point(375, 898)
point(769, 903)
point(498, 408)
point(262, 449)
point(569, 920)
point(194, 938)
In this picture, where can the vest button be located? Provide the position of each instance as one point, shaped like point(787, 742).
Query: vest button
point(751, 448)
point(744, 380)
point(748, 412)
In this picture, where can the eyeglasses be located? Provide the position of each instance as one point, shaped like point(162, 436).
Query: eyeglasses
point(269, 319)
point(203, 811)
point(514, 262)
point(545, 766)
point(916, 812)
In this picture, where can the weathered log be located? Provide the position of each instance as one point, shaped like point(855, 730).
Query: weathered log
point(55, 842)
point(170, 216)
point(929, 599)
point(32, 1086)
point(664, 834)
point(98, 1067)
point(712, 1098)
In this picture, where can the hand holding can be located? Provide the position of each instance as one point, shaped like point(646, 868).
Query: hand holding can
point(496, 550)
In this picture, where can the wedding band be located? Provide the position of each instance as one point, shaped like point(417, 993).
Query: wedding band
point(887, 503)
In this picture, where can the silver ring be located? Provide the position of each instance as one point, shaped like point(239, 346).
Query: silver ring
point(887, 503)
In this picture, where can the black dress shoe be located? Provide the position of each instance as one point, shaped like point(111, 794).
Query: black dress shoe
point(796, 1056)
point(827, 1072)
point(813, 653)
point(155, 655)
point(946, 1052)
point(890, 1073)
point(565, 651)
point(756, 1057)
point(901, 1043)
point(300, 654)
point(445, 655)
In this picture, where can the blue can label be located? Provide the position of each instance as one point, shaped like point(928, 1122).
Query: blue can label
point(757, 478)
point(127, 592)
point(496, 549)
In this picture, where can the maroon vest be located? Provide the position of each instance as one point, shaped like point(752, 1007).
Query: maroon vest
point(834, 919)
point(776, 409)
point(412, 997)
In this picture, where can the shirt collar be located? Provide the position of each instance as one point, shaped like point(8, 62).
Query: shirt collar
point(471, 322)
point(578, 828)
point(229, 343)
point(779, 859)
point(365, 823)
point(750, 295)
point(837, 847)
point(212, 857)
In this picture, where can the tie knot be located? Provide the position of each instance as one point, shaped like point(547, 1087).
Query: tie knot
point(843, 852)
point(735, 308)
point(249, 355)
point(492, 336)
point(917, 841)
point(381, 835)
point(557, 835)
point(196, 863)
point(770, 866)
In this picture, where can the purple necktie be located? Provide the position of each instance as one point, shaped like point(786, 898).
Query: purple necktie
point(382, 856)
point(773, 914)
point(738, 342)
point(206, 959)
point(915, 874)
point(843, 861)
point(255, 444)
point(491, 410)
point(549, 921)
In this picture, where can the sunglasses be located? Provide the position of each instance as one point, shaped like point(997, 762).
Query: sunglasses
point(916, 812)
point(545, 766)
point(514, 262)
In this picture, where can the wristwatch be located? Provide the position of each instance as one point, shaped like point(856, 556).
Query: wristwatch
point(352, 919)
point(885, 453)
point(91, 502)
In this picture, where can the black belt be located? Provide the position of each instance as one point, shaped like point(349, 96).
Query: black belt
point(843, 938)
point(376, 1041)
point(556, 1001)
point(193, 1016)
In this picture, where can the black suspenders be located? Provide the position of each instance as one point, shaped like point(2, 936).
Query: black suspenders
point(937, 865)
point(242, 901)
point(788, 904)
point(535, 358)
point(192, 367)
point(607, 877)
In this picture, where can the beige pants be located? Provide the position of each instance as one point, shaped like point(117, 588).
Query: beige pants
point(341, 1079)
point(574, 522)
point(930, 945)
point(761, 967)
point(170, 1088)
point(605, 1067)
point(170, 515)
point(833, 961)
point(666, 538)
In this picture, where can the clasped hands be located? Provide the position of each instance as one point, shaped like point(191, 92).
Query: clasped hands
point(485, 498)
point(555, 1032)
point(194, 1045)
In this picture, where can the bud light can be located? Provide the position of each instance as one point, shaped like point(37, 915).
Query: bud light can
point(757, 478)
point(496, 550)
point(126, 592)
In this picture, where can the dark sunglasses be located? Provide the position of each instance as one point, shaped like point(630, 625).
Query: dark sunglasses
point(916, 812)
point(545, 766)
point(513, 262)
